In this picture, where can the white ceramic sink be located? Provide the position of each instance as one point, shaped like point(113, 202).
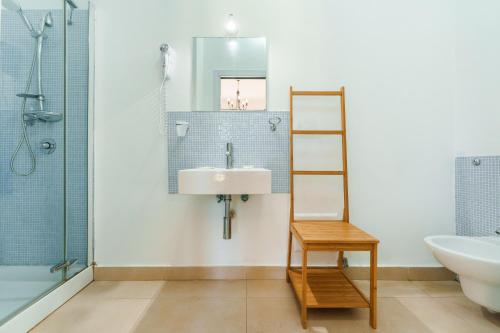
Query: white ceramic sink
point(224, 181)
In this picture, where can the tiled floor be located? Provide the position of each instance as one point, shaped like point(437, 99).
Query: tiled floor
point(261, 306)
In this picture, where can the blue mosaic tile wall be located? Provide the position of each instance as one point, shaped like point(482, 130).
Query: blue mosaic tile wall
point(477, 195)
point(253, 143)
point(32, 207)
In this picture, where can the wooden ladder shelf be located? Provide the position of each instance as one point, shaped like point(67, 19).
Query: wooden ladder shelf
point(328, 287)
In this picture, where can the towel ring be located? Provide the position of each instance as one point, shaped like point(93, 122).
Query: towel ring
point(274, 122)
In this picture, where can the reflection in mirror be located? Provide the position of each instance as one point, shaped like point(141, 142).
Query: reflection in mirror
point(242, 93)
point(229, 74)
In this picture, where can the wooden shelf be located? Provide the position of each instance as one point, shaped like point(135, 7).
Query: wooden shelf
point(327, 288)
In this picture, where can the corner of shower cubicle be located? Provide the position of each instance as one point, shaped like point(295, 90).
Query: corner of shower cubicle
point(46, 216)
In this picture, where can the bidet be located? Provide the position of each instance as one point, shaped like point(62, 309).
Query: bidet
point(476, 260)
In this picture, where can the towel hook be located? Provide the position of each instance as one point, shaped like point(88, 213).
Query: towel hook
point(274, 122)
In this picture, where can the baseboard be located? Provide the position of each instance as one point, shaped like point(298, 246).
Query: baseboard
point(256, 272)
point(34, 314)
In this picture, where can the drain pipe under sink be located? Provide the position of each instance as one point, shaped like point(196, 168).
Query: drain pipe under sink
point(227, 217)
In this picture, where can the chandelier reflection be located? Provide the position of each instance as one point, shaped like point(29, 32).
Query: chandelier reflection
point(239, 103)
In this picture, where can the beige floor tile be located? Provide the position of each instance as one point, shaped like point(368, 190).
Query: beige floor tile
point(85, 314)
point(393, 288)
point(392, 317)
point(452, 314)
point(440, 288)
point(122, 289)
point(283, 315)
point(269, 288)
point(194, 315)
point(204, 288)
point(275, 315)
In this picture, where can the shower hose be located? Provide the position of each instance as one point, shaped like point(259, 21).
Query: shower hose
point(24, 136)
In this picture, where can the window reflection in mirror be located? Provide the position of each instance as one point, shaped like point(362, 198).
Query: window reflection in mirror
point(220, 64)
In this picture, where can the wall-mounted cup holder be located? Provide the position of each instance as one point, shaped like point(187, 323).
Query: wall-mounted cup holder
point(181, 128)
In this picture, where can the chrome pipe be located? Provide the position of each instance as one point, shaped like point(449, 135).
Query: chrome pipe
point(227, 217)
point(229, 155)
point(63, 265)
point(26, 22)
point(39, 72)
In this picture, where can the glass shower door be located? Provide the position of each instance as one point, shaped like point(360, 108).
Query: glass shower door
point(32, 151)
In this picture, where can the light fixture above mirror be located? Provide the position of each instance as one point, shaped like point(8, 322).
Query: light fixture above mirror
point(231, 25)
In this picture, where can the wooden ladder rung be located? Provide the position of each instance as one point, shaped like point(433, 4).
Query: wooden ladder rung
point(297, 220)
point(316, 93)
point(317, 132)
point(316, 172)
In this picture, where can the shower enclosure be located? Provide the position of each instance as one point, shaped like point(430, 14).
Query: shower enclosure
point(44, 148)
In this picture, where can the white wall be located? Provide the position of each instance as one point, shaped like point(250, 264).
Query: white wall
point(396, 59)
point(477, 117)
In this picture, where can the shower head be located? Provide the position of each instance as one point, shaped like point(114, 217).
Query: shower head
point(47, 20)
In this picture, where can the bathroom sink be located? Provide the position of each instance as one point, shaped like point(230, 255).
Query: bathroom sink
point(224, 181)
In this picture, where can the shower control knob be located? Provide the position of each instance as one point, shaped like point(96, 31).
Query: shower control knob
point(47, 146)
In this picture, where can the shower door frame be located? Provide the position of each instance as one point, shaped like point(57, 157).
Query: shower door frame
point(91, 137)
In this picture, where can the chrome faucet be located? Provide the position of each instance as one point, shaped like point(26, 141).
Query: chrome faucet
point(497, 231)
point(229, 155)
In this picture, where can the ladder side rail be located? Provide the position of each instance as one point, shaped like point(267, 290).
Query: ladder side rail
point(292, 195)
point(344, 155)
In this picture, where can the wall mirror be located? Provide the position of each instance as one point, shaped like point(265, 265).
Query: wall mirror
point(229, 74)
